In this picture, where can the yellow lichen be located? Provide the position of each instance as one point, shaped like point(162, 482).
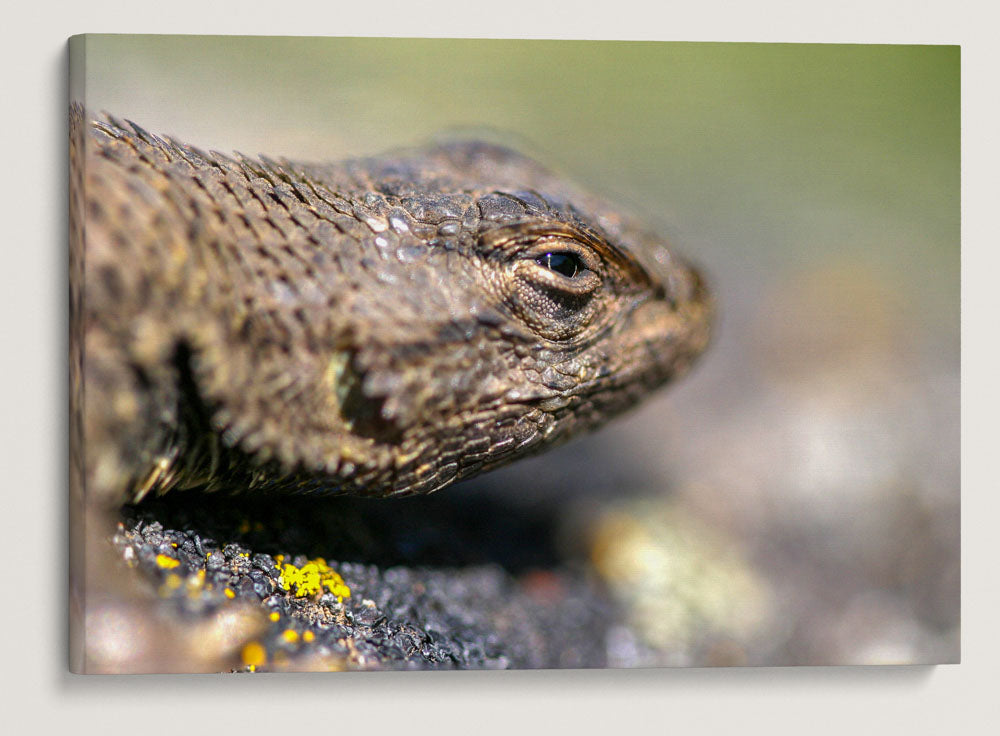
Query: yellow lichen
point(167, 563)
point(195, 583)
point(290, 635)
point(228, 592)
point(313, 578)
point(172, 583)
point(254, 655)
point(677, 577)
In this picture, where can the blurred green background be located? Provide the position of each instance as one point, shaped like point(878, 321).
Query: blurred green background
point(757, 154)
point(819, 188)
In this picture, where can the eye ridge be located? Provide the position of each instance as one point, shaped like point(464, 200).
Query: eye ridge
point(565, 263)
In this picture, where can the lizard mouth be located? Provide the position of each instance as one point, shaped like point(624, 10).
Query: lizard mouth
point(664, 335)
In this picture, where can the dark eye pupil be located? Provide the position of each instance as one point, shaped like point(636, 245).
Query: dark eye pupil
point(567, 264)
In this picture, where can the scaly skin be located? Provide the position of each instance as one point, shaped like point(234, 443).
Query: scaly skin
point(383, 326)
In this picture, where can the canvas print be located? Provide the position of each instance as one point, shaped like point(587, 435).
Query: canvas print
point(440, 354)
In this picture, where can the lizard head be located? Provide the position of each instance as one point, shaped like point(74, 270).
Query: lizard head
point(516, 311)
point(379, 326)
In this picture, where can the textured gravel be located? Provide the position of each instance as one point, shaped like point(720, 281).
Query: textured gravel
point(434, 582)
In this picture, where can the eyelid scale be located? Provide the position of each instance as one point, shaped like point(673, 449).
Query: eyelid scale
point(598, 254)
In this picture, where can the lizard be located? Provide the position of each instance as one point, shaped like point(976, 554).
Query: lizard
point(380, 326)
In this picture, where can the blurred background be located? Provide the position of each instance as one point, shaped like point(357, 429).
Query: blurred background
point(795, 500)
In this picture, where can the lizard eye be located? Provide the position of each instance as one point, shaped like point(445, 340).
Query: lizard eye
point(554, 286)
point(561, 265)
point(565, 263)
